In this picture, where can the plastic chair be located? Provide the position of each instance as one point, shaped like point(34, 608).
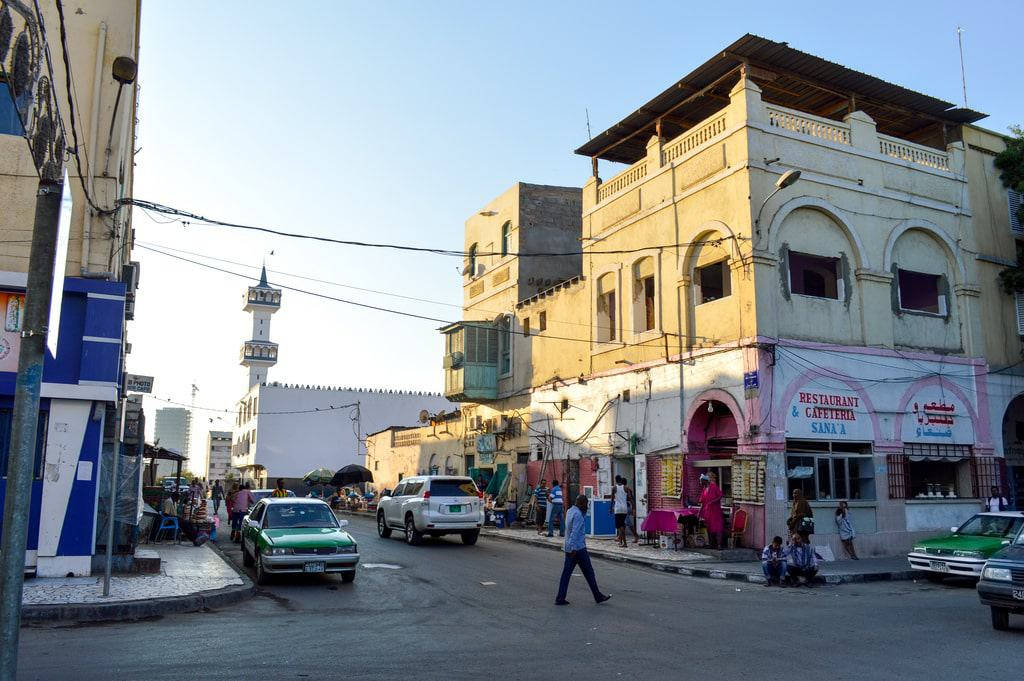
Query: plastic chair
point(168, 522)
point(739, 524)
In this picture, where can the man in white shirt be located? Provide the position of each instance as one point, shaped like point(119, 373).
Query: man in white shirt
point(996, 502)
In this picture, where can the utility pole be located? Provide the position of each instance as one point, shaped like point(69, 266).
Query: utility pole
point(25, 422)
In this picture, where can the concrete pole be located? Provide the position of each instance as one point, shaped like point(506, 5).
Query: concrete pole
point(115, 460)
point(25, 423)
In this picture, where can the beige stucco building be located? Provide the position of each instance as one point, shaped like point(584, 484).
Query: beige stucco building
point(792, 281)
point(435, 448)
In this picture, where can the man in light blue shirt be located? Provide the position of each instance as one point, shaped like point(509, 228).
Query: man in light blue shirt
point(556, 506)
point(575, 549)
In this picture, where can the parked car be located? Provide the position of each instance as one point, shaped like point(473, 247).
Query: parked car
point(965, 551)
point(292, 535)
point(1001, 586)
point(265, 493)
point(434, 505)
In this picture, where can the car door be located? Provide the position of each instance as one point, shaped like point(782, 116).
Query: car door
point(251, 528)
point(393, 507)
point(410, 499)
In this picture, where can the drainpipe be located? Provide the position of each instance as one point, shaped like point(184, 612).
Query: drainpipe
point(101, 46)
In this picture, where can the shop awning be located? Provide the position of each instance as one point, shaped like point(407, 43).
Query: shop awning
point(711, 463)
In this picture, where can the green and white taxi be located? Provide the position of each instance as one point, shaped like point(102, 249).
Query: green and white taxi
point(295, 536)
point(964, 552)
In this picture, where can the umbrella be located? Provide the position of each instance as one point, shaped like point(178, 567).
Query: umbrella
point(321, 476)
point(351, 474)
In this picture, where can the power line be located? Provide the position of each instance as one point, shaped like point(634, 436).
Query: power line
point(194, 218)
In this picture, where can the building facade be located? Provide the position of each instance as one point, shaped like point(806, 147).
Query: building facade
point(218, 453)
point(435, 448)
point(791, 283)
point(82, 376)
point(173, 430)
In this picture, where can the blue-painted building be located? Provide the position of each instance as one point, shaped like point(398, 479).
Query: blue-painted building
point(80, 391)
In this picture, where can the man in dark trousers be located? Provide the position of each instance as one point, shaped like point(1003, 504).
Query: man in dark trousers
point(576, 553)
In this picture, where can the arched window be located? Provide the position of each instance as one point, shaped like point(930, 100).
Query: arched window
point(449, 469)
point(607, 319)
point(644, 298)
point(506, 235)
point(433, 464)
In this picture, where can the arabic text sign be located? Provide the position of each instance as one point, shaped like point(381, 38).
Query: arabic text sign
point(828, 413)
point(12, 305)
point(937, 416)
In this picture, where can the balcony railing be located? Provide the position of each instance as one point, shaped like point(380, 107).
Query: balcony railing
point(915, 153)
point(693, 139)
point(637, 171)
point(808, 124)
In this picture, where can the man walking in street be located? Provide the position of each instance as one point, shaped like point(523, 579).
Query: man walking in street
point(218, 496)
point(557, 510)
point(575, 549)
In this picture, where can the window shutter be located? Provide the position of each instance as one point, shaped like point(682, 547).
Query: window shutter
point(1018, 300)
point(1015, 198)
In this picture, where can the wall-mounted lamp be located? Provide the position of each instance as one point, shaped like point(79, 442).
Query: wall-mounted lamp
point(787, 179)
point(488, 213)
point(124, 72)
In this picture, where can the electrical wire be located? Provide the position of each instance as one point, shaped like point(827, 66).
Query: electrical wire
point(194, 218)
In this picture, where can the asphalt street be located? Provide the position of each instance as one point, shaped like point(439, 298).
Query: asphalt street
point(447, 611)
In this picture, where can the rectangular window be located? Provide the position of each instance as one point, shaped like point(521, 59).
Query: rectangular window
point(542, 322)
point(526, 326)
point(505, 340)
point(825, 471)
point(937, 471)
point(814, 275)
point(713, 282)
point(1015, 200)
point(648, 289)
point(6, 423)
point(470, 461)
point(10, 122)
point(919, 291)
point(481, 343)
point(522, 457)
point(506, 232)
point(606, 322)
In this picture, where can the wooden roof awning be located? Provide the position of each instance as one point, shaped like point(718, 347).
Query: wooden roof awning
point(789, 78)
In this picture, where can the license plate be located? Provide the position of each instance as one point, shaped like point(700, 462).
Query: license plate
point(455, 509)
point(938, 566)
point(1018, 594)
point(313, 567)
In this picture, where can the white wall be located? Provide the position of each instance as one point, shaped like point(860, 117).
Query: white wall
point(291, 445)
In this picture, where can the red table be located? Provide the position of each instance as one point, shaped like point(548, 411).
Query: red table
point(665, 520)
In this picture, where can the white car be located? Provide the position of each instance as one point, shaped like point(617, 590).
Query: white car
point(435, 505)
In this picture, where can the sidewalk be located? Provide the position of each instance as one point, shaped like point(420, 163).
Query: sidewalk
point(190, 578)
point(694, 564)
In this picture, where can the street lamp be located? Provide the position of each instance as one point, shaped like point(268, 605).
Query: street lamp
point(787, 179)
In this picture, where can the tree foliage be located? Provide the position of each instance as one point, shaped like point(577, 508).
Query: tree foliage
point(1011, 166)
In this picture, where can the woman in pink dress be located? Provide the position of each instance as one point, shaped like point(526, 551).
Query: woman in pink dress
point(711, 510)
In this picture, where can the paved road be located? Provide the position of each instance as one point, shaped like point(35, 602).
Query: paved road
point(432, 618)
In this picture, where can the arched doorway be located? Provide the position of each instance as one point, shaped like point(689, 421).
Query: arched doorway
point(711, 436)
point(1013, 451)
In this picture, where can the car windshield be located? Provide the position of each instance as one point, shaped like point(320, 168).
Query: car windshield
point(991, 526)
point(452, 488)
point(280, 516)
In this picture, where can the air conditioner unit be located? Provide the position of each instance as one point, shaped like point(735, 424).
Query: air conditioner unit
point(130, 276)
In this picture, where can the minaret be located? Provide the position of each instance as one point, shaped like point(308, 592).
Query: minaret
point(259, 354)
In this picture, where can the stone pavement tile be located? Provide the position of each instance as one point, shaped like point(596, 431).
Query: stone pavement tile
point(185, 570)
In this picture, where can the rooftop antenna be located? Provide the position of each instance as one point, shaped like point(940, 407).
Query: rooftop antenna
point(963, 73)
point(587, 111)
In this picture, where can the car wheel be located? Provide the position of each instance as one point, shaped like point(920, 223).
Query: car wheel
point(348, 577)
point(469, 537)
point(382, 526)
point(412, 535)
point(247, 560)
point(1000, 619)
point(261, 575)
point(934, 577)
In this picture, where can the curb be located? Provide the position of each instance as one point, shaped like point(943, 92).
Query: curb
point(715, 573)
point(153, 607)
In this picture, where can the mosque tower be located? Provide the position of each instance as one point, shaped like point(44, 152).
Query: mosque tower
point(259, 354)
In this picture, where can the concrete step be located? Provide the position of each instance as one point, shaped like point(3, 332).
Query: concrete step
point(146, 561)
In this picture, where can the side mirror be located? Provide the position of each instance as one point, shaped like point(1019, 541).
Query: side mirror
point(954, 529)
point(344, 523)
point(1006, 542)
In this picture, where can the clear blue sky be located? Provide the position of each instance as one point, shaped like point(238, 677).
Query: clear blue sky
point(396, 120)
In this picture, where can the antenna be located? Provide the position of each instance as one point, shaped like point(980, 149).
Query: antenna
point(587, 111)
point(963, 72)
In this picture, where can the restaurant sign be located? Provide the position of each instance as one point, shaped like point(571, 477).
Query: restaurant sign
point(937, 416)
point(828, 413)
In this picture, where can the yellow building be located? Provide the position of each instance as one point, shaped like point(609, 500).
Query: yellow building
point(436, 448)
point(791, 283)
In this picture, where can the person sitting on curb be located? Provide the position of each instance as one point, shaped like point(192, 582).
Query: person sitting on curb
point(801, 561)
point(773, 562)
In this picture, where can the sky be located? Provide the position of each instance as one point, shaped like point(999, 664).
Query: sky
point(395, 121)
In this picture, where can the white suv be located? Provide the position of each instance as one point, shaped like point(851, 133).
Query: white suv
point(434, 505)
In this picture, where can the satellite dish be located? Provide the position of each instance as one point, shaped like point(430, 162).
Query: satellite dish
point(424, 416)
point(467, 269)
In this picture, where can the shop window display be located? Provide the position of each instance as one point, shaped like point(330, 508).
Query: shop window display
point(825, 471)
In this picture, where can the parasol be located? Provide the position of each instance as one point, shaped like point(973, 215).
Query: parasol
point(351, 474)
